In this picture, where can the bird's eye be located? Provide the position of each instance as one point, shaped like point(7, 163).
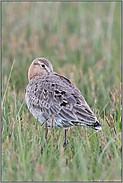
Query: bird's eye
point(43, 65)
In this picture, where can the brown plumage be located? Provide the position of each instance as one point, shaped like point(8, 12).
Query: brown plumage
point(49, 94)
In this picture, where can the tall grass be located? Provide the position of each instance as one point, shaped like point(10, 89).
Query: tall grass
point(82, 40)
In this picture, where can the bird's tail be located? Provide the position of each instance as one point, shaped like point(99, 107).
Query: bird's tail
point(96, 125)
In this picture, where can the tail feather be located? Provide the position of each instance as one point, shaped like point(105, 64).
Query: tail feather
point(95, 125)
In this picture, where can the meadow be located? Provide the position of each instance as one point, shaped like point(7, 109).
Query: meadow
point(83, 42)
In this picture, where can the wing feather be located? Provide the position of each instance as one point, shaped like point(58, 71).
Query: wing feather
point(59, 97)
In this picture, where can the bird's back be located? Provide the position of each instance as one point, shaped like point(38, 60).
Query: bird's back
point(54, 95)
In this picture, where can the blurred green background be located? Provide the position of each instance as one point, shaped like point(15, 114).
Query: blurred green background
point(83, 42)
point(74, 36)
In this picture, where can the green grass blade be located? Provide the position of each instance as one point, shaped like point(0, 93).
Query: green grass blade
point(7, 83)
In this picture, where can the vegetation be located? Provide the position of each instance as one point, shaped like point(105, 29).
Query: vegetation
point(83, 42)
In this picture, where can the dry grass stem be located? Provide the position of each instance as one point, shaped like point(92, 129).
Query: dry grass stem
point(107, 121)
point(52, 122)
point(56, 134)
point(7, 139)
point(111, 95)
point(111, 103)
point(83, 133)
point(32, 155)
point(48, 134)
point(112, 120)
point(5, 81)
point(69, 129)
point(34, 128)
point(12, 124)
point(9, 147)
point(8, 162)
point(39, 130)
point(72, 77)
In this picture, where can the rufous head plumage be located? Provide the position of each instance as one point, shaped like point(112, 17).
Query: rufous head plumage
point(39, 67)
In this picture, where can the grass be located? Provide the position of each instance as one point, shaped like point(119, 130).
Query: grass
point(83, 42)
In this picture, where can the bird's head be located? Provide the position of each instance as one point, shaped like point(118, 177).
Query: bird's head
point(39, 67)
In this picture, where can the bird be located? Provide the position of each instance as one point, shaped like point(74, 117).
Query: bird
point(50, 95)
